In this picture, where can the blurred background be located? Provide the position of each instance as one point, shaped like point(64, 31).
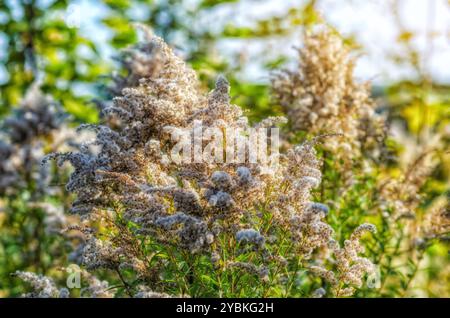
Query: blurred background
point(71, 47)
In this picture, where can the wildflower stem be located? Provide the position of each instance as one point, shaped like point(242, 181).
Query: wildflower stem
point(125, 284)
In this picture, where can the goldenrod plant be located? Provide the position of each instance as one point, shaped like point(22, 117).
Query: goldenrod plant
point(192, 178)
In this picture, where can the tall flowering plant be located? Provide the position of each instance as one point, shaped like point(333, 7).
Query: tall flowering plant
point(206, 227)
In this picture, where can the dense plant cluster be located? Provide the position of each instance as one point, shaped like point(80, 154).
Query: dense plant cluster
point(32, 201)
point(322, 96)
point(297, 225)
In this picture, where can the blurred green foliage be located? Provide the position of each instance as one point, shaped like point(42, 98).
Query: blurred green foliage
point(40, 46)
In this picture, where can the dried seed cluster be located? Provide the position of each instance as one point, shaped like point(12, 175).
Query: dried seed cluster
point(195, 208)
point(321, 96)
